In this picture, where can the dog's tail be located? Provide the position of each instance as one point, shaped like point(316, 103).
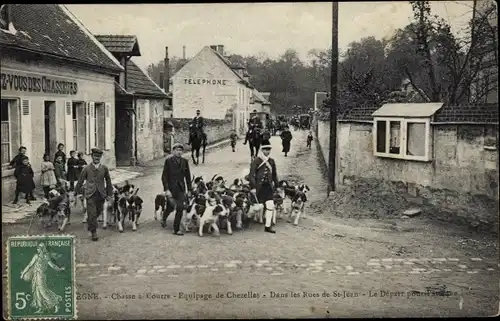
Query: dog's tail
point(136, 191)
point(214, 177)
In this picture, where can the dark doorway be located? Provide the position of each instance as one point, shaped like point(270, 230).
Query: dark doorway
point(50, 126)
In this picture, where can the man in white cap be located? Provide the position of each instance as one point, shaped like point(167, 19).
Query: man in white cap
point(263, 179)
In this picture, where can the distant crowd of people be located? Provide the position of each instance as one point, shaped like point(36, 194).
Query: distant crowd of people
point(52, 172)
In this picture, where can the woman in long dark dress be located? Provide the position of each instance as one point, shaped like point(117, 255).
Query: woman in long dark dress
point(24, 180)
point(72, 173)
point(286, 138)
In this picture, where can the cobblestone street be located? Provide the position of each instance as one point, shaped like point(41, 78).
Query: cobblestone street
point(323, 253)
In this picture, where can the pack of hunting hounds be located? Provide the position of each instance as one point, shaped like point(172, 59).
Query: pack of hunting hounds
point(210, 206)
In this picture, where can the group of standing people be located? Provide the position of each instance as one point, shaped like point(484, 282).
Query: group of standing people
point(52, 172)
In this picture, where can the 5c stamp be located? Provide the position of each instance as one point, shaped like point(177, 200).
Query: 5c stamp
point(41, 277)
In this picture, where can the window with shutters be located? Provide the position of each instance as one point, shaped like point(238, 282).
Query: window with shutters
point(11, 129)
point(81, 127)
point(74, 120)
point(100, 123)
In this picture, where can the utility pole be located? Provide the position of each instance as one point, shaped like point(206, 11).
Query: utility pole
point(333, 98)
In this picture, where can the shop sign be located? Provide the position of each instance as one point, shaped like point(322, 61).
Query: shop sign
point(17, 82)
point(203, 81)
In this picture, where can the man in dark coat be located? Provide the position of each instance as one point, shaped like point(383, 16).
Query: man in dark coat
point(97, 187)
point(198, 120)
point(255, 120)
point(263, 180)
point(176, 179)
point(196, 125)
point(286, 138)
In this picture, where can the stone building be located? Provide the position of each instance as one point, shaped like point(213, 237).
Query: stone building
point(140, 105)
point(57, 87)
point(210, 83)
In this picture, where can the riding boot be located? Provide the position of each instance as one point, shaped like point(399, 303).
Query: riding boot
point(269, 220)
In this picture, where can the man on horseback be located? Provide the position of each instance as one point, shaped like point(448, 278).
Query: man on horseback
point(196, 125)
point(254, 138)
point(255, 120)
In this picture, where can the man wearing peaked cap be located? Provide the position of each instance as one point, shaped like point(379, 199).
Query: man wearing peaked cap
point(176, 180)
point(97, 151)
point(263, 179)
point(97, 187)
point(177, 146)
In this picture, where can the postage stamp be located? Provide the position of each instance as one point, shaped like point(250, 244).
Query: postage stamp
point(41, 277)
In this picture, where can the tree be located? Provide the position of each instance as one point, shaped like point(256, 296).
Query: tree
point(442, 67)
point(175, 64)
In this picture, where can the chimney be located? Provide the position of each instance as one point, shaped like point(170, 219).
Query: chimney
point(160, 82)
point(122, 77)
point(166, 72)
point(220, 50)
point(184, 52)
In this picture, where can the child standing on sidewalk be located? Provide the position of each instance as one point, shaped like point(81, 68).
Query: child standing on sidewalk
point(59, 170)
point(24, 180)
point(48, 177)
point(81, 163)
point(72, 170)
point(233, 138)
point(60, 152)
point(309, 139)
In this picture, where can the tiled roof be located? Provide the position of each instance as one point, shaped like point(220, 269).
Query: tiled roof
point(258, 97)
point(358, 113)
point(481, 113)
point(127, 44)
point(230, 65)
point(138, 82)
point(51, 29)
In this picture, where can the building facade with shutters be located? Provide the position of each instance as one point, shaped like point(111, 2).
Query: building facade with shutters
point(58, 86)
point(140, 105)
point(211, 83)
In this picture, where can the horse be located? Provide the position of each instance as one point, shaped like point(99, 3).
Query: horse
point(254, 141)
point(198, 140)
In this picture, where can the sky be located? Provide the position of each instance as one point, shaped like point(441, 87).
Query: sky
point(253, 28)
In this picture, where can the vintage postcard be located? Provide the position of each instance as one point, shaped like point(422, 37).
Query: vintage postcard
point(250, 160)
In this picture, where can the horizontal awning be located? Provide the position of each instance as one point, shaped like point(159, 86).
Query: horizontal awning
point(408, 110)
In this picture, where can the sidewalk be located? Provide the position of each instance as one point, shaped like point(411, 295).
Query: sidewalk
point(12, 213)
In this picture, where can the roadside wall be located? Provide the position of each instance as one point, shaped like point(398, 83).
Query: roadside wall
point(462, 174)
point(216, 130)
